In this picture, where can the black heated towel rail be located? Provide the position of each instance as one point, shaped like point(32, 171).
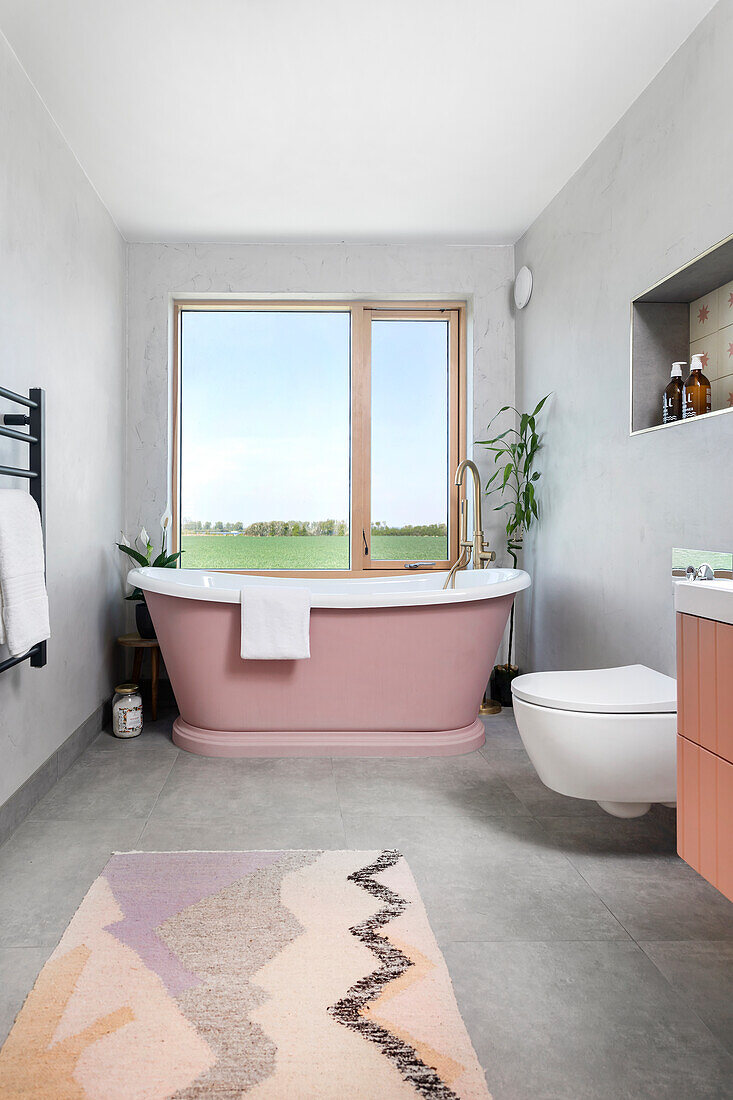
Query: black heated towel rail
point(34, 420)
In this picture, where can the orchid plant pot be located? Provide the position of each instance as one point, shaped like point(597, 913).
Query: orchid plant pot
point(144, 558)
point(143, 622)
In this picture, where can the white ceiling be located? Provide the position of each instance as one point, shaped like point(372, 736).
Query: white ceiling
point(395, 120)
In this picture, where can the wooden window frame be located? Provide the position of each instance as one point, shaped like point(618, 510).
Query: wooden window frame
point(362, 312)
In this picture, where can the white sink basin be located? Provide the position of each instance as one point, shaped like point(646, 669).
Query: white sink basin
point(708, 599)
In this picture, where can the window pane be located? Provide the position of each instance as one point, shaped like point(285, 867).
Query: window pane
point(265, 439)
point(409, 440)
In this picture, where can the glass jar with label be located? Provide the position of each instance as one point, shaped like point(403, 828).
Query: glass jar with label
point(127, 711)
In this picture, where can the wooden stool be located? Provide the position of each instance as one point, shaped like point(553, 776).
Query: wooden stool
point(134, 641)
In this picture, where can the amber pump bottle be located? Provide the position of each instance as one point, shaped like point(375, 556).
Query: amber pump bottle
point(697, 398)
point(672, 396)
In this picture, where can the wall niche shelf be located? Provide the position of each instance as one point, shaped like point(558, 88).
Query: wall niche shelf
point(689, 311)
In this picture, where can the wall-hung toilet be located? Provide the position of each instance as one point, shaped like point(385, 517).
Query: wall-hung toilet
point(608, 734)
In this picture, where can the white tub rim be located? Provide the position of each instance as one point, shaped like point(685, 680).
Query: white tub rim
point(416, 590)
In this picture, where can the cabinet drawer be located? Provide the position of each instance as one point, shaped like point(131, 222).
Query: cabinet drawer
point(705, 814)
point(705, 683)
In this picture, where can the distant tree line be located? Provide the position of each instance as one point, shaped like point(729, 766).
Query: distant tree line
point(282, 527)
point(410, 529)
point(294, 527)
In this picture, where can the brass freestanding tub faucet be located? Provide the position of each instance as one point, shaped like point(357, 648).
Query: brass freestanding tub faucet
point(477, 545)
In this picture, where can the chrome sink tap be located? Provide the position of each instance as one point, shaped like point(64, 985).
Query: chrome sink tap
point(477, 546)
point(703, 573)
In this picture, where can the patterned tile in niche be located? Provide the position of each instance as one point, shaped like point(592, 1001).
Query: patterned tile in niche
point(708, 348)
point(704, 315)
point(722, 392)
point(725, 305)
point(725, 351)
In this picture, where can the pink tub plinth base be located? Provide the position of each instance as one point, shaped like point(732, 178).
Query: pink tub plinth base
point(328, 742)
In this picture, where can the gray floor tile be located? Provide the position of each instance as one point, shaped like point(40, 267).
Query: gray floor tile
point(489, 878)
point(19, 967)
point(506, 755)
point(47, 867)
point(583, 1021)
point(521, 778)
point(424, 785)
point(106, 784)
point(502, 740)
point(605, 835)
point(156, 736)
point(657, 897)
point(323, 829)
point(205, 790)
point(447, 832)
point(703, 974)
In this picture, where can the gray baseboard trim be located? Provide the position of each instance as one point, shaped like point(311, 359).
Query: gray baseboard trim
point(20, 804)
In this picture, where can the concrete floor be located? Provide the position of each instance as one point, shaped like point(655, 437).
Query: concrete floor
point(589, 962)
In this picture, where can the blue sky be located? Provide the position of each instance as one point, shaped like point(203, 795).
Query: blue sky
point(265, 417)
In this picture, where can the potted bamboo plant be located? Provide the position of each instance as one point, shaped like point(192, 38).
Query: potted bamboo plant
point(514, 478)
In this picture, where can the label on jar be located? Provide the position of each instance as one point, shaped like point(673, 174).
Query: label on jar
point(131, 718)
point(127, 717)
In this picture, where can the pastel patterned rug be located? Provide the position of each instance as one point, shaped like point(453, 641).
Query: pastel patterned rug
point(265, 975)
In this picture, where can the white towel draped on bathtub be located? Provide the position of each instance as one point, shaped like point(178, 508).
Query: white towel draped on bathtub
point(275, 623)
point(23, 598)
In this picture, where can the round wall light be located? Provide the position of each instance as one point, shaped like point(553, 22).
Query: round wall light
point(522, 287)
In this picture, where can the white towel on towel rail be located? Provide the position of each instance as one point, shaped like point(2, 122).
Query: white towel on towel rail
point(23, 598)
point(275, 623)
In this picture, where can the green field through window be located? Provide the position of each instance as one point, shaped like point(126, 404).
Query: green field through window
point(301, 552)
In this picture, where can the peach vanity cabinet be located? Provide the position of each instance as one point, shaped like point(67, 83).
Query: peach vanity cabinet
point(705, 729)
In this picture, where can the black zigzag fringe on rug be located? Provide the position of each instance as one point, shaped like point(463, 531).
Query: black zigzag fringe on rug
point(393, 963)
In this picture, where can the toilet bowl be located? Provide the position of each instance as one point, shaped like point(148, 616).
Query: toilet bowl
point(605, 734)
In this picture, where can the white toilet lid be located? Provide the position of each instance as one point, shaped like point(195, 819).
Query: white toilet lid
point(632, 689)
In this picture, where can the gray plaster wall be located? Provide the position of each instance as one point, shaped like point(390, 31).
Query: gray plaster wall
point(159, 273)
point(654, 194)
point(62, 313)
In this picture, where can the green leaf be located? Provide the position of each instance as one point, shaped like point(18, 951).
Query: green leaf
point(133, 553)
point(503, 409)
point(498, 438)
point(539, 406)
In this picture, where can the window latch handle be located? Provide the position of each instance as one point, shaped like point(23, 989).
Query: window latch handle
point(418, 564)
point(366, 544)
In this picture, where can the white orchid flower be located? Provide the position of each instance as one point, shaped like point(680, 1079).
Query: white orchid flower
point(144, 537)
point(124, 539)
point(165, 522)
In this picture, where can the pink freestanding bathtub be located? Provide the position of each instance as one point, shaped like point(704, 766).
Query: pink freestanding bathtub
point(398, 667)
